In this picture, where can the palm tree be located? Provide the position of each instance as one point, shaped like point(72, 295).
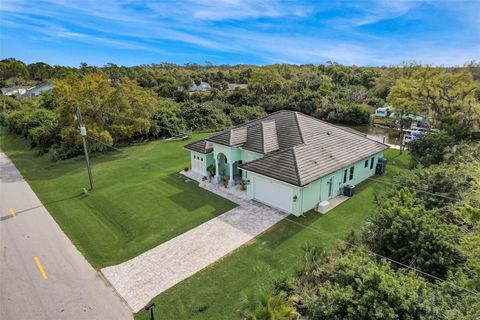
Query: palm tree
point(268, 307)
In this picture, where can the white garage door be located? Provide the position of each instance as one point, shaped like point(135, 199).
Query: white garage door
point(272, 193)
point(197, 165)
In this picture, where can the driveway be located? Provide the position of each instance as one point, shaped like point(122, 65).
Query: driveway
point(151, 273)
point(42, 274)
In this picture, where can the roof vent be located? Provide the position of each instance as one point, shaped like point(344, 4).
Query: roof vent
point(328, 133)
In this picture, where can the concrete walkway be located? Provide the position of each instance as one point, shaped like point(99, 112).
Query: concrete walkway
point(149, 274)
point(42, 274)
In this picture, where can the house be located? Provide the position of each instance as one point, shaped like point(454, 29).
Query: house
point(411, 117)
point(383, 112)
point(288, 160)
point(36, 90)
point(203, 86)
point(233, 86)
point(26, 92)
point(14, 91)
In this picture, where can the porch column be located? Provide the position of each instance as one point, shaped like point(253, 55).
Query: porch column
point(231, 182)
point(217, 170)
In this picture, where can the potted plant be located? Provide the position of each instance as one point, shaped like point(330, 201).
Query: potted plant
point(243, 185)
point(225, 181)
point(211, 170)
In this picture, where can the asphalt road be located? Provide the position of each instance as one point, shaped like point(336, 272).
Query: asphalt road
point(42, 274)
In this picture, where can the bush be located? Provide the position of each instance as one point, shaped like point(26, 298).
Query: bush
point(347, 113)
point(430, 149)
point(356, 286)
point(202, 116)
point(243, 114)
point(412, 235)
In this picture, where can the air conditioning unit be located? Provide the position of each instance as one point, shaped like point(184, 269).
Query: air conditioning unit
point(323, 207)
point(381, 168)
point(348, 190)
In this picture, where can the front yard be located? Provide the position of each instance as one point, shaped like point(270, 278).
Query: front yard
point(138, 201)
point(215, 292)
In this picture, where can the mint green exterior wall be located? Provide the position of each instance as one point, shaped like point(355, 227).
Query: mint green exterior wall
point(233, 154)
point(309, 196)
point(210, 160)
point(317, 191)
point(248, 156)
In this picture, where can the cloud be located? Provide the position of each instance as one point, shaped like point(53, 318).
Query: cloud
point(218, 10)
point(263, 31)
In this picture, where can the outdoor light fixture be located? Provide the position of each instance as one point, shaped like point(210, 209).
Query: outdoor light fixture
point(150, 307)
point(295, 198)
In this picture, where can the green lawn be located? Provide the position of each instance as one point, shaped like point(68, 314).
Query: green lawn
point(214, 293)
point(138, 201)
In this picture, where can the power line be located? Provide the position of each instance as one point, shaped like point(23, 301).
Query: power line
point(416, 190)
point(384, 257)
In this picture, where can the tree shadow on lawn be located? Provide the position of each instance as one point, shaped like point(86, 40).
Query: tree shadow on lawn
point(191, 197)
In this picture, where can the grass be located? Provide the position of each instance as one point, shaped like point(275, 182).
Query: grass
point(138, 201)
point(215, 292)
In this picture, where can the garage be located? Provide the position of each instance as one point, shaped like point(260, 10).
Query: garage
point(273, 194)
point(197, 165)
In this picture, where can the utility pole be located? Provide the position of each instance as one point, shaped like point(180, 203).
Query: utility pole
point(83, 133)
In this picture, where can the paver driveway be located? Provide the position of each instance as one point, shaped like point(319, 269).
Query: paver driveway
point(149, 274)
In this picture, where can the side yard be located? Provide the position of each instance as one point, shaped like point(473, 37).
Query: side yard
point(138, 201)
point(215, 292)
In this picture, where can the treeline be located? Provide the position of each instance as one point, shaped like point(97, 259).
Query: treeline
point(417, 258)
point(114, 114)
point(122, 105)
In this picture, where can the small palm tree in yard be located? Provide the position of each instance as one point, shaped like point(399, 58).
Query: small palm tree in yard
point(268, 307)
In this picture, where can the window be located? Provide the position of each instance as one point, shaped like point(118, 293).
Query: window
point(201, 159)
point(351, 173)
point(345, 176)
point(371, 162)
point(225, 159)
point(366, 163)
point(194, 157)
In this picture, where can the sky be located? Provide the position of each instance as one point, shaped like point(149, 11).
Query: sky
point(362, 32)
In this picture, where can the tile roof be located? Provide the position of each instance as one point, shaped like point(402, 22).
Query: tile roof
point(202, 146)
point(298, 149)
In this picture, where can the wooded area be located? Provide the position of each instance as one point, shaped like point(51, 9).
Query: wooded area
point(122, 105)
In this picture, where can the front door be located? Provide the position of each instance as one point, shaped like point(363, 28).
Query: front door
point(330, 187)
point(240, 171)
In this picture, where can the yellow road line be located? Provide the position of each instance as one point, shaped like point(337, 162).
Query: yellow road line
point(39, 266)
point(12, 212)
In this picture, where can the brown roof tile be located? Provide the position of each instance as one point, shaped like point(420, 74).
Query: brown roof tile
point(298, 149)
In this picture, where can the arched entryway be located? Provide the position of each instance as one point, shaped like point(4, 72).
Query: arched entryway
point(221, 165)
point(225, 170)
